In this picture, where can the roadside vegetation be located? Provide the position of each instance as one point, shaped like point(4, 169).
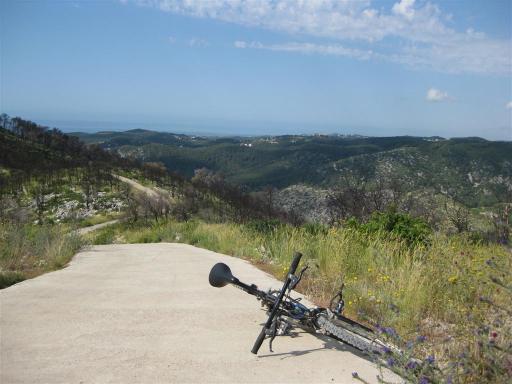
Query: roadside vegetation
point(30, 250)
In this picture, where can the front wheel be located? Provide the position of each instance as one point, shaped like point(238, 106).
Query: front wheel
point(354, 334)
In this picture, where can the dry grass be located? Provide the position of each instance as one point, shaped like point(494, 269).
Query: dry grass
point(30, 250)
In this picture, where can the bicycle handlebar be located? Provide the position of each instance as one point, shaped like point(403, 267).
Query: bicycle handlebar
point(293, 267)
point(295, 263)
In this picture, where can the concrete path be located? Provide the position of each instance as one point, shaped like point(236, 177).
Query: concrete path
point(145, 313)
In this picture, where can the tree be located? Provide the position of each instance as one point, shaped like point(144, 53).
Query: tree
point(269, 192)
point(458, 215)
point(154, 170)
point(349, 200)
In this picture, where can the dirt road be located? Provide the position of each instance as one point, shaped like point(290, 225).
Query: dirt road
point(137, 186)
point(86, 230)
point(145, 313)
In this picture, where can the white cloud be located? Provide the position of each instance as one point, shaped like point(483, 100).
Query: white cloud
point(240, 44)
point(171, 39)
point(425, 41)
point(509, 105)
point(197, 43)
point(436, 95)
point(404, 8)
point(308, 48)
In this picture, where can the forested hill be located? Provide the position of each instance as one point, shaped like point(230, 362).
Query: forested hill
point(59, 175)
point(472, 170)
point(27, 148)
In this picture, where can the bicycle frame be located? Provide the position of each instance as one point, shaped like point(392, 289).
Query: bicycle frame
point(275, 301)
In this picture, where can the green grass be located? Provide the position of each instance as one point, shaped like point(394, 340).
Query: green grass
point(30, 250)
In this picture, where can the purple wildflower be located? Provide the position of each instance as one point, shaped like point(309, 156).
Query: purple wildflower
point(390, 362)
point(421, 339)
point(430, 359)
point(424, 380)
point(386, 350)
point(390, 331)
point(411, 364)
point(355, 375)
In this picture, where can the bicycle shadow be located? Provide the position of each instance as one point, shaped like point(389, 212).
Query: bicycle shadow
point(328, 344)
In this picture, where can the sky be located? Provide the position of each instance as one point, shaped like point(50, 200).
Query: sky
point(261, 67)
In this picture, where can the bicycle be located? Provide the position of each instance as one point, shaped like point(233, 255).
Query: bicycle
point(285, 312)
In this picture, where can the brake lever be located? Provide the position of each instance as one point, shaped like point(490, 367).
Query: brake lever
point(340, 304)
point(296, 280)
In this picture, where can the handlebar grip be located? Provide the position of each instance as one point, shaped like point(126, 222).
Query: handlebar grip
point(295, 263)
point(259, 341)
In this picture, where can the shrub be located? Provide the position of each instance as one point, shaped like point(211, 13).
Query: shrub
point(264, 226)
point(106, 236)
point(316, 229)
point(9, 278)
point(413, 230)
point(29, 250)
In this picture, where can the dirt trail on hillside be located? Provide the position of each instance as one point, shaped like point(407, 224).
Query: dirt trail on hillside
point(145, 313)
point(152, 192)
point(139, 187)
point(85, 230)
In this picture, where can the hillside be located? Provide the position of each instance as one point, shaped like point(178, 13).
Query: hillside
point(26, 148)
point(49, 177)
point(471, 170)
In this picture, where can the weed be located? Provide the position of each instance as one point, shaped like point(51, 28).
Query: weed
point(29, 250)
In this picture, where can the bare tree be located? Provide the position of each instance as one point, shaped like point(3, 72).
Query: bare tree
point(132, 202)
point(396, 187)
point(458, 215)
point(349, 200)
point(377, 195)
point(269, 192)
point(154, 170)
point(501, 219)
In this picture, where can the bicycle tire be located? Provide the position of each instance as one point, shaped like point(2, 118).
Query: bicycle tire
point(357, 337)
point(352, 326)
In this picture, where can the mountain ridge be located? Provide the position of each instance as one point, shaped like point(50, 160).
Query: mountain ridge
point(472, 170)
